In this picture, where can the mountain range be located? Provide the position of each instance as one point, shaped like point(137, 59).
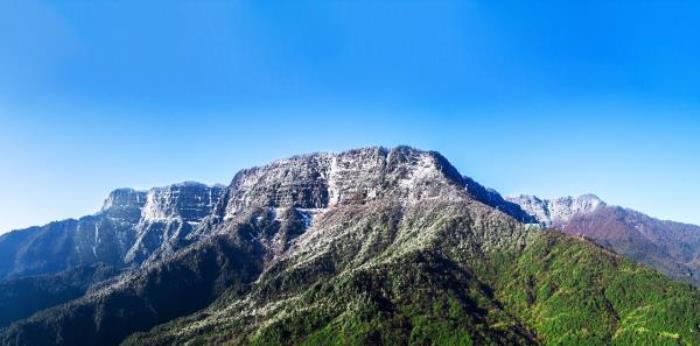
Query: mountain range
point(368, 246)
point(673, 248)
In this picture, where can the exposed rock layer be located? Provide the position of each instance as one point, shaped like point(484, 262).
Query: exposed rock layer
point(379, 246)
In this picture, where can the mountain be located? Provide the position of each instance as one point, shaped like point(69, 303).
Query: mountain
point(132, 227)
point(49, 265)
point(557, 212)
point(20, 298)
point(371, 246)
point(493, 199)
point(672, 248)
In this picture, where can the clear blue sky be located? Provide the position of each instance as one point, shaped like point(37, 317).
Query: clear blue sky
point(550, 98)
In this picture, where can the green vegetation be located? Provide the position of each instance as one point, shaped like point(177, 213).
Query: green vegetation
point(557, 291)
point(407, 258)
point(574, 292)
point(455, 273)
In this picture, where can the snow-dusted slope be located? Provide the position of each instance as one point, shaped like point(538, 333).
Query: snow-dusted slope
point(557, 212)
point(131, 227)
point(358, 176)
point(278, 233)
point(328, 210)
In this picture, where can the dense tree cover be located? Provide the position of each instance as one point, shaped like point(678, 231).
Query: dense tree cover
point(407, 256)
point(557, 290)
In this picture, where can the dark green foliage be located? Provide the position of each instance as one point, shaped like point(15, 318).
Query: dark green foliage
point(450, 290)
point(574, 292)
point(154, 296)
point(420, 262)
point(19, 298)
point(560, 290)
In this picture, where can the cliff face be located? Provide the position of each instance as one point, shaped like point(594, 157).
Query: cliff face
point(350, 207)
point(131, 227)
point(168, 218)
point(369, 246)
point(557, 212)
point(321, 181)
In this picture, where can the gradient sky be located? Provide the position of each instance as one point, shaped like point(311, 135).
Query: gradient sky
point(549, 98)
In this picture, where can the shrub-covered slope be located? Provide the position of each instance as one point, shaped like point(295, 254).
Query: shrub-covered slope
point(446, 287)
point(19, 298)
point(670, 247)
point(574, 292)
point(372, 246)
point(143, 299)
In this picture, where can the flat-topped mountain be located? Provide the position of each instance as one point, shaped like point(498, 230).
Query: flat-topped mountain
point(64, 259)
point(368, 246)
point(130, 227)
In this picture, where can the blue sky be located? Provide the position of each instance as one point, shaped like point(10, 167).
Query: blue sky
point(550, 98)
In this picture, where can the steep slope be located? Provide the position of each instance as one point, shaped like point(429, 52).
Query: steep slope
point(45, 266)
point(371, 246)
point(380, 272)
point(261, 213)
point(20, 298)
point(131, 227)
point(494, 199)
point(367, 286)
point(670, 247)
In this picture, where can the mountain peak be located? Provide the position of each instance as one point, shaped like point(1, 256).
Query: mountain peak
point(355, 176)
point(192, 201)
point(189, 200)
point(555, 212)
point(124, 203)
point(124, 197)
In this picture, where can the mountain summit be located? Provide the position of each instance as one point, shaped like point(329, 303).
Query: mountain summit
point(557, 212)
point(368, 246)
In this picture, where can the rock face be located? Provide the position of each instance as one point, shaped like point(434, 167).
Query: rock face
point(168, 217)
point(131, 227)
point(369, 246)
point(670, 247)
point(188, 201)
point(320, 181)
point(557, 212)
point(124, 204)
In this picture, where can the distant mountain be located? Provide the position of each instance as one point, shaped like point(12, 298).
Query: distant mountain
point(132, 227)
point(671, 247)
point(49, 265)
point(369, 246)
point(557, 212)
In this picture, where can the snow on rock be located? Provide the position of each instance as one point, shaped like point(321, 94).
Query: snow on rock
point(189, 201)
point(124, 203)
point(320, 181)
point(557, 212)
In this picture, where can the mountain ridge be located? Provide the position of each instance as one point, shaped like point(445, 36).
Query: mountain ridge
point(670, 247)
point(123, 218)
point(383, 243)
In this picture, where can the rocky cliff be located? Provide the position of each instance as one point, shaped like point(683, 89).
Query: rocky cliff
point(368, 246)
point(131, 227)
